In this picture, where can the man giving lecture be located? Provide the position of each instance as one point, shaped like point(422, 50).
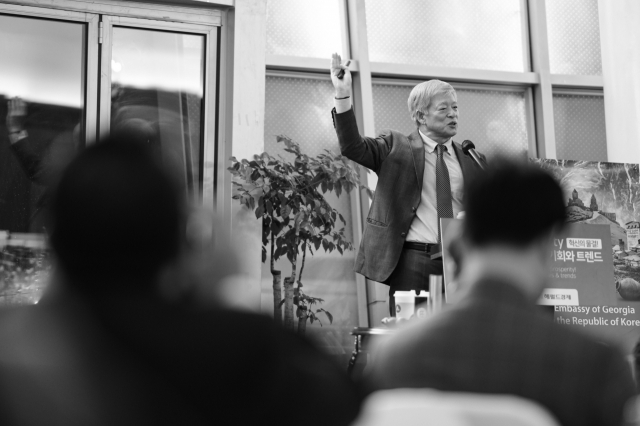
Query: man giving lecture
point(421, 179)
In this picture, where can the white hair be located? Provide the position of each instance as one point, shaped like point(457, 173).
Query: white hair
point(421, 95)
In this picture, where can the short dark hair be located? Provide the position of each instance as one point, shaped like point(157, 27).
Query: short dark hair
point(115, 217)
point(513, 203)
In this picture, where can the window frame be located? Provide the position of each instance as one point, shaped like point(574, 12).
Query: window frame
point(210, 88)
point(90, 83)
point(203, 18)
point(538, 85)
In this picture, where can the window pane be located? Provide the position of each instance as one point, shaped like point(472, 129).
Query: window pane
point(494, 120)
point(157, 89)
point(43, 64)
point(303, 28)
point(301, 109)
point(476, 34)
point(574, 37)
point(580, 127)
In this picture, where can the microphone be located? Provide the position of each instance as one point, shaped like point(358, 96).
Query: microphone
point(469, 149)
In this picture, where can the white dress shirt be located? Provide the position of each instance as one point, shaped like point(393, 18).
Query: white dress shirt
point(424, 227)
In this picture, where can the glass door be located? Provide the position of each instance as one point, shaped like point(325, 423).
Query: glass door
point(46, 115)
point(69, 78)
point(154, 84)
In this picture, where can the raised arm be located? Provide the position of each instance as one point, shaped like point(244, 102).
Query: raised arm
point(30, 162)
point(16, 114)
point(368, 152)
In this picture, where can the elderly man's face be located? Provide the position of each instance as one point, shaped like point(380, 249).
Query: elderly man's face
point(441, 117)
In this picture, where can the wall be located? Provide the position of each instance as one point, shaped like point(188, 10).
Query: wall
point(620, 38)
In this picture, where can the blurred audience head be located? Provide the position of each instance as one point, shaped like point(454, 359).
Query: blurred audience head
point(514, 204)
point(136, 128)
point(116, 217)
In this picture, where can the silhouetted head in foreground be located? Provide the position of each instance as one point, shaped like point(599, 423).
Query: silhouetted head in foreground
point(116, 217)
point(513, 212)
point(514, 203)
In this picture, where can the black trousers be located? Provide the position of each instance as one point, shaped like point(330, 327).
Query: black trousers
point(412, 273)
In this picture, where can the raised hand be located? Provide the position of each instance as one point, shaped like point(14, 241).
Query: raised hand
point(17, 112)
point(341, 86)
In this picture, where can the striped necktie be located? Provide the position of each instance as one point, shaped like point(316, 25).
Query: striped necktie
point(444, 204)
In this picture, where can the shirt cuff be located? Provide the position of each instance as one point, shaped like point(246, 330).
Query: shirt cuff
point(342, 105)
point(18, 136)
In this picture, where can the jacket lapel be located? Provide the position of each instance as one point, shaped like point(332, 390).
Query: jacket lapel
point(417, 152)
point(466, 163)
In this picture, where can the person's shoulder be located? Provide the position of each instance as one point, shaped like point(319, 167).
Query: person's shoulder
point(393, 134)
point(259, 329)
point(11, 320)
point(240, 321)
point(386, 134)
point(574, 342)
point(289, 361)
point(419, 334)
point(394, 137)
point(577, 339)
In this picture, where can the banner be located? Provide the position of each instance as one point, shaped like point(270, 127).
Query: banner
point(582, 268)
point(608, 195)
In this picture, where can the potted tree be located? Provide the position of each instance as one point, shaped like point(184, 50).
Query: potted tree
point(296, 217)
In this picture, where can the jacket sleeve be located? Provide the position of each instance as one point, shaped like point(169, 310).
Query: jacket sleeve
point(368, 152)
point(30, 162)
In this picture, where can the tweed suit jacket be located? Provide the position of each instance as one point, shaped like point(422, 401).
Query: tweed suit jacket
point(399, 162)
point(497, 341)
